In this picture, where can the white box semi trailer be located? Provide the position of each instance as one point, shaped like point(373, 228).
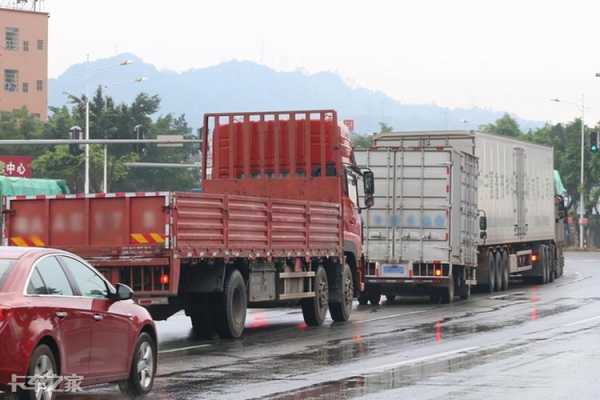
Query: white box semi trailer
point(455, 209)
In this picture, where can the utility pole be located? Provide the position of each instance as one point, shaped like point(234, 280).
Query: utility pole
point(581, 196)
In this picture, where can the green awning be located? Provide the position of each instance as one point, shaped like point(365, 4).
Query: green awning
point(559, 188)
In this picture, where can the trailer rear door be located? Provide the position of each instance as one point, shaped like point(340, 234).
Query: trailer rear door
point(425, 206)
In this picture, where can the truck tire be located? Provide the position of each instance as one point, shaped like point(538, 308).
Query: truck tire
point(505, 270)
point(369, 296)
point(551, 264)
point(543, 279)
point(341, 311)
point(498, 266)
point(491, 285)
point(363, 298)
point(447, 293)
point(231, 307)
point(466, 292)
point(314, 310)
point(560, 262)
point(201, 315)
point(374, 298)
point(463, 289)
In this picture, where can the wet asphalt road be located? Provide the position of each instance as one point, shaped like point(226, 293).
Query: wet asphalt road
point(532, 342)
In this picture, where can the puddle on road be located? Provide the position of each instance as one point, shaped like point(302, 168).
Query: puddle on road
point(217, 380)
point(409, 375)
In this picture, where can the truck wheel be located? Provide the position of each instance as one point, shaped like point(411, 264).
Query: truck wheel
point(498, 258)
point(551, 264)
point(314, 310)
point(202, 319)
point(491, 286)
point(369, 296)
point(340, 312)
point(466, 292)
point(560, 264)
point(543, 262)
point(505, 270)
point(232, 304)
point(447, 294)
point(375, 298)
point(363, 298)
point(464, 289)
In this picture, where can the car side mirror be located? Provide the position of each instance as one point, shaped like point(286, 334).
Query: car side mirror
point(369, 188)
point(124, 292)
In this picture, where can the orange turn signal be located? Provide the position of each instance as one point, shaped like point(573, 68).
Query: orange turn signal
point(534, 257)
point(438, 272)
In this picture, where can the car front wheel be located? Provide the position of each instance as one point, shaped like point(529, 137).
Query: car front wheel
point(143, 368)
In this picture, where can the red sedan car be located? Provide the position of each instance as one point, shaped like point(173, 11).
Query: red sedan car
point(62, 326)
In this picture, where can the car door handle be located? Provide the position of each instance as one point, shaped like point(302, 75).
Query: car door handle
point(98, 317)
point(61, 314)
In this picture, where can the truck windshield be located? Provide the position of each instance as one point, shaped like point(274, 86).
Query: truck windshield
point(5, 266)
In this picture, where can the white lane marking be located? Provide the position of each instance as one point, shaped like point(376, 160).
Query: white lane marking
point(362, 321)
point(200, 346)
point(503, 296)
point(426, 358)
point(583, 321)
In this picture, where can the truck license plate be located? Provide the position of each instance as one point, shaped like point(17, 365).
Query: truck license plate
point(399, 270)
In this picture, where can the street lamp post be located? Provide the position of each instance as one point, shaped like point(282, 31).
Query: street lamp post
point(581, 107)
point(87, 127)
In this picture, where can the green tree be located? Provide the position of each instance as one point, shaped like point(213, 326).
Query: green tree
point(505, 126)
point(385, 128)
point(111, 121)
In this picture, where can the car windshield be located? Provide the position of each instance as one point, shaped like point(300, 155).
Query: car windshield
point(5, 266)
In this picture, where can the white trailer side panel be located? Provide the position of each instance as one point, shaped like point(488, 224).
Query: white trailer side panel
point(515, 180)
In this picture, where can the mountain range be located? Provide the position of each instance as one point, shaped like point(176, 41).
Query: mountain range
point(248, 86)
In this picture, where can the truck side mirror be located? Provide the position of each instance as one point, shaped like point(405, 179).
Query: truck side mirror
point(483, 223)
point(369, 187)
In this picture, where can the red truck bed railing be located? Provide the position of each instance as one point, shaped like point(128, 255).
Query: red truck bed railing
point(142, 238)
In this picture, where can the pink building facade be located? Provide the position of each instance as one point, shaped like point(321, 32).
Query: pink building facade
point(24, 61)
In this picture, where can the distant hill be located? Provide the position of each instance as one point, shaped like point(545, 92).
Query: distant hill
point(247, 86)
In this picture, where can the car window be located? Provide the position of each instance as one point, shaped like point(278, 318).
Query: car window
point(5, 266)
point(89, 282)
point(54, 277)
point(36, 284)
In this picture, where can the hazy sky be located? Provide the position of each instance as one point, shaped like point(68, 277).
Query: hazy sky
point(502, 54)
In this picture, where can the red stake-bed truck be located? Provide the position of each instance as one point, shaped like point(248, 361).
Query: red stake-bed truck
point(277, 223)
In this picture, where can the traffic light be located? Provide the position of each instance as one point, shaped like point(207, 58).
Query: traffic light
point(76, 134)
point(594, 141)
